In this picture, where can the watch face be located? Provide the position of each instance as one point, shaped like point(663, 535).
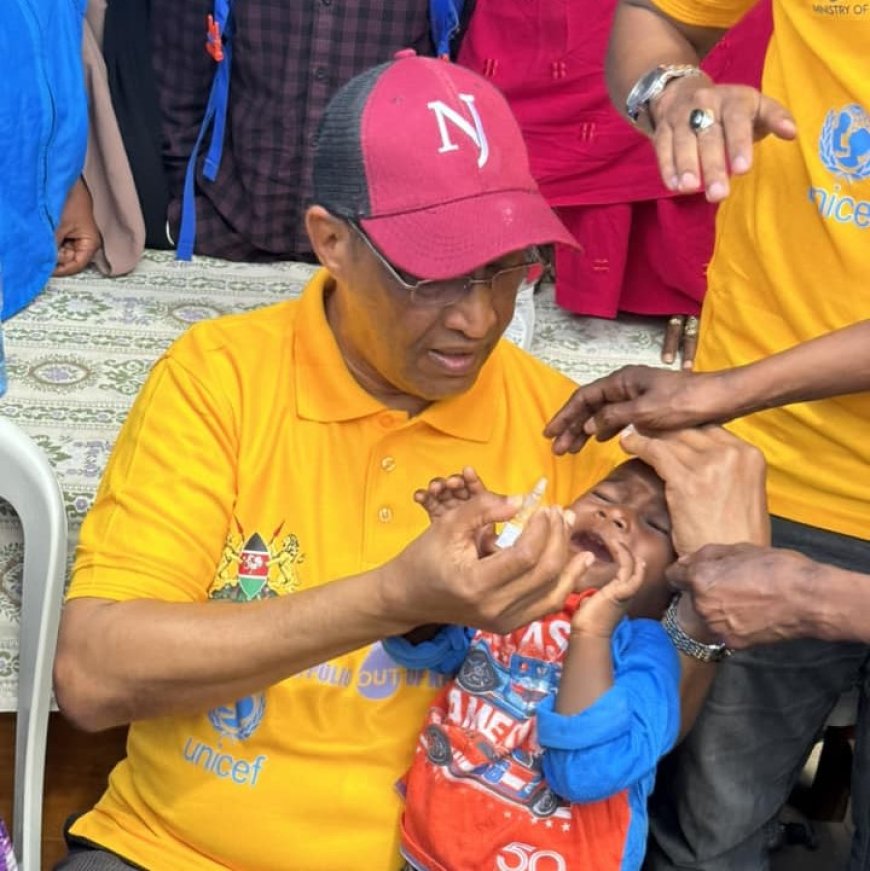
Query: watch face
point(651, 84)
point(647, 82)
point(641, 92)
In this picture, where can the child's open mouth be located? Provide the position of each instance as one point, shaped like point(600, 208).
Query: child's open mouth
point(594, 544)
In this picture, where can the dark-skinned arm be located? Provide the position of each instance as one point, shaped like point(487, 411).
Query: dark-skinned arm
point(643, 37)
point(715, 490)
point(835, 364)
point(748, 594)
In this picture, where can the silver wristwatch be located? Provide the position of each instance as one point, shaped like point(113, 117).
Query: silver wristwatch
point(685, 643)
point(650, 86)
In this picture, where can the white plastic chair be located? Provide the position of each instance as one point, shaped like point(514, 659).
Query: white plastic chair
point(28, 483)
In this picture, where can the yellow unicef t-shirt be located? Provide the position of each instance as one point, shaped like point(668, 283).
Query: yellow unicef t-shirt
point(253, 465)
point(792, 258)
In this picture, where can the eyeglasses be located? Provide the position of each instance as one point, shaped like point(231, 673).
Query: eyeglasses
point(443, 292)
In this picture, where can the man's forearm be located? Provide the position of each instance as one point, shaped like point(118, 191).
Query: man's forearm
point(643, 37)
point(835, 364)
point(839, 607)
point(124, 661)
point(746, 595)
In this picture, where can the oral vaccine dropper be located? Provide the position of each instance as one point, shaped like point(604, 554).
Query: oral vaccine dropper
point(511, 530)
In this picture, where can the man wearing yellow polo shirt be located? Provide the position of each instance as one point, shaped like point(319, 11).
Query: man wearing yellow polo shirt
point(790, 264)
point(255, 535)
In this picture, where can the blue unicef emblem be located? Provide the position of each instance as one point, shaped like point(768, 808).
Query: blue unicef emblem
point(844, 144)
point(240, 720)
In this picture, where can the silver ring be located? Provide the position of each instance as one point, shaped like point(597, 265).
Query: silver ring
point(701, 120)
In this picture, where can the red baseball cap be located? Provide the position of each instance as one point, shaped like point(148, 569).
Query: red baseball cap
point(428, 158)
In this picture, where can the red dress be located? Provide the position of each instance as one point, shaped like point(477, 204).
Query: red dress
point(645, 250)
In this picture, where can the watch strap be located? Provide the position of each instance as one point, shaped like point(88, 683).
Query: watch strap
point(650, 86)
point(685, 643)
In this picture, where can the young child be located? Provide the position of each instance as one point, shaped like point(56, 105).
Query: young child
point(541, 753)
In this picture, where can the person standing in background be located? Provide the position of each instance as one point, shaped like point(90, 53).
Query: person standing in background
point(644, 250)
point(46, 214)
point(790, 165)
point(747, 595)
point(288, 59)
point(66, 190)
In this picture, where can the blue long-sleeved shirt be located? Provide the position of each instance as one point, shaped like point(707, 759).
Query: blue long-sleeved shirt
point(43, 131)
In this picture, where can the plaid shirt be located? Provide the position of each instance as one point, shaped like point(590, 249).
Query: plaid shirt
point(289, 56)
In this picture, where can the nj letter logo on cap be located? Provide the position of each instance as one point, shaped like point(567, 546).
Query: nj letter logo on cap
point(474, 131)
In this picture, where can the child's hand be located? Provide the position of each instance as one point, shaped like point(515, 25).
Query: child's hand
point(599, 614)
point(445, 495)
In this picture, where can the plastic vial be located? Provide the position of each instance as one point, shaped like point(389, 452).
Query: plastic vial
point(510, 532)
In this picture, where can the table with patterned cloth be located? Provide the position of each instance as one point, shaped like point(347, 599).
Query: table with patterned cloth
point(78, 355)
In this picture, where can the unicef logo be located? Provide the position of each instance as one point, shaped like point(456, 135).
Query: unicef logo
point(844, 145)
point(240, 720)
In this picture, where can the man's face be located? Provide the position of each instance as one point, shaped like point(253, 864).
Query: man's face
point(628, 507)
point(410, 355)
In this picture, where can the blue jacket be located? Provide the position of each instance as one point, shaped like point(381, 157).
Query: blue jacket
point(43, 136)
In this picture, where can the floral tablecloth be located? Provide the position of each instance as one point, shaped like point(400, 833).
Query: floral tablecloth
point(78, 355)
